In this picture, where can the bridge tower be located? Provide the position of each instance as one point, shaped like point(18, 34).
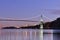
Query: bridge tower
point(41, 22)
point(41, 28)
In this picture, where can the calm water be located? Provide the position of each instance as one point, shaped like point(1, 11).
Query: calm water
point(25, 34)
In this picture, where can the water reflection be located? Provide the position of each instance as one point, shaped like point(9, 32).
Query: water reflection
point(20, 34)
point(56, 35)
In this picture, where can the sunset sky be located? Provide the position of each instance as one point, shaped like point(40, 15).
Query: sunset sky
point(21, 9)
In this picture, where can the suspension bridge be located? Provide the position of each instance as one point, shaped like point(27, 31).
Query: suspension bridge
point(29, 20)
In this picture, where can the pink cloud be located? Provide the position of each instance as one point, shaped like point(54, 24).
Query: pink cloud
point(55, 12)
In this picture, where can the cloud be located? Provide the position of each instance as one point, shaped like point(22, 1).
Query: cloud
point(52, 11)
point(56, 12)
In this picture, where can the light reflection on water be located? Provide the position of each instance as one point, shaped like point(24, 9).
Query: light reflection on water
point(56, 35)
point(25, 34)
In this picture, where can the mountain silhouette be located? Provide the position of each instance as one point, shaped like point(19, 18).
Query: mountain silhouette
point(55, 24)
